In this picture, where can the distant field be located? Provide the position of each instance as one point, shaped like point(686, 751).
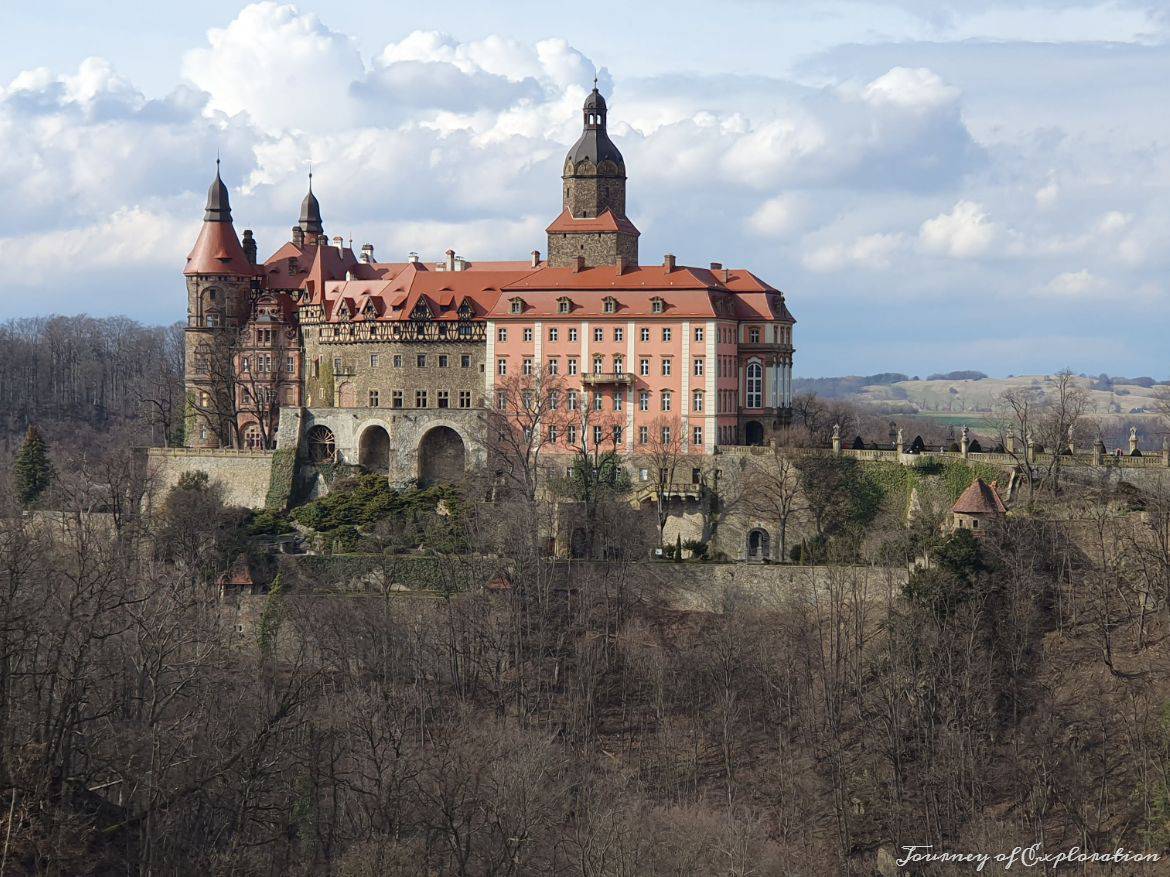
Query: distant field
point(973, 420)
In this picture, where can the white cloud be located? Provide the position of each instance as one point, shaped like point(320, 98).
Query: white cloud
point(911, 88)
point(871, 252)
point(964, 233)
point(778, 217)
point(1074, 284)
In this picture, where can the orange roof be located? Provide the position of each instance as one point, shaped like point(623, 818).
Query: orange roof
point(218, 251)
point(317, 263)
point(979, 499)
point(566, 223)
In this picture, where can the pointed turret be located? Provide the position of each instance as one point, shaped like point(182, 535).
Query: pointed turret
point(218, 249)
point(310, 222)
point(219, 209)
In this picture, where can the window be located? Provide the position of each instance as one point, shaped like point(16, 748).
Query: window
point(666, 366)
point(666, 435)
point(317, 367)
point(643, 437)
point(212, 321)
point(443, 360)
point(266, 362)
point(336, 365)
point(373, 360)
point(572, 334)
point(657, 306)
point(699, 333)
point(643, 400)
point(643, 367)
point(617, 435)
point(502, 335)
point(754, 335)
point(698, 368)
point(666, 334)
point(755, 385)
point(553, 334)
point(619, 334)
point(598, 334)
point(420, 398)
point(564, 305)
point(697, 441)
point(571, 400)
point(596, 435)
point(645, 335)
point(598, 365)
point(610, 305)
point(552, 435)
point(395, 398)
point(619, 399)
point(444, 398)
point(245, 366)
point(421, 360)
point(666, 400)
point(398, 360)
point(465, 398)
point(571, 435)
point(527, 334)
point(554, 366)
point(554, 400)
point(501, 366)
point(290, 364)
point(527, 366)
point(598, 399)
point(619, 364)
point(517, 306)
point(572, 366)
point(697, 401)
point(465, 360)
point(501, 399)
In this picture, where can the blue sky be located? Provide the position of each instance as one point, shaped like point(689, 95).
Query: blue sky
point(935, 185)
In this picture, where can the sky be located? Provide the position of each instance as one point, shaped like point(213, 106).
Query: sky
point(934, 184)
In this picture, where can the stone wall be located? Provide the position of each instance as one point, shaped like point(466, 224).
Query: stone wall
point(243, 474)
point(598, 248)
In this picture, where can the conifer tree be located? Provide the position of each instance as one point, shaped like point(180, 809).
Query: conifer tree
point(33, 471)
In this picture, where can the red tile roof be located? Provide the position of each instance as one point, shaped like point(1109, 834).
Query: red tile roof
point(567, 223)
point(979, 499)
point(217, 251)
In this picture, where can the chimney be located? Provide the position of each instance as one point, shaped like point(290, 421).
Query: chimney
point(339, 242)
point(367, 253)
point(249, 246)
point(716, 266)
point(579, 265)
point(536, 258)
point(726, 275)
point(413, 258)
point(450, 260)
point(668, 262)
point(620, 264)
point(298, 236)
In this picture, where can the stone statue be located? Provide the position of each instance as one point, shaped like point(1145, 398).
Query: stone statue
point(836, 431)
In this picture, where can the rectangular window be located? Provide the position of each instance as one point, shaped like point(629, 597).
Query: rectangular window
point(619, 399)
point(527, 334)
point(697, 441)
point(442, 360)
point(698, 368)
point(643, 437)
point(644, 334)
point(373, 360)
point(643, 367)
point(665, 334)
point(596, 435)
point(395, 398)
point(465, 360)
point(598, 334)
point(554, 400)
point(699, 333)
point(501, 399)
point(444, 398)
point(572, 366)
point(598, 365)
point(666, 435)
point(465, 398)
point(643, 400)
point(571, 400)
point(618, 334)
point(666, 400)
point(527, 363)
point(571, 435)
point(598, 399)
point(754, 335)
point(572, 334)
point(697, 401)
point(421, 360)
point(552, 435)
point(373, 398)
point(501, 366)
point(554, 366)
point(336, 365)
point(666, 366)
point(420, 398)
point(502, 335)
point(245, 366)
point(553, 334)
point(617, 435)
point(316, 366)
point(398, 360)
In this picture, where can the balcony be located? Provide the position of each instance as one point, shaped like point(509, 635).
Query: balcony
point(595, 379)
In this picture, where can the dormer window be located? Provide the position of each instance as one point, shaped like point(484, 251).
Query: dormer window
point(369, 310)
point(657, 305)
point(517, 305)
point(564, 305)
point(293, 266)
point(420, 312)
point(465, 311)
point(343, 312)
point(609, 304)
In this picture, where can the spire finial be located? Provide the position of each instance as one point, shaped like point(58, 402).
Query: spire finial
point(217, 162)
point(595, 82)
point(310, 176)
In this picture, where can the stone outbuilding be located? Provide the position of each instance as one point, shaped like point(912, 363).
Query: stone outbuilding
point(978, 506)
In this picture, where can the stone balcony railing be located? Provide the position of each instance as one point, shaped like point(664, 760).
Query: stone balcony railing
point(593, 379)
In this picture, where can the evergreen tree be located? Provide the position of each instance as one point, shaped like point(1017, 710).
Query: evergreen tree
point(33, 470)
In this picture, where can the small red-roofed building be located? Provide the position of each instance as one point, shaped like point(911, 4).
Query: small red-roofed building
point(977, 507)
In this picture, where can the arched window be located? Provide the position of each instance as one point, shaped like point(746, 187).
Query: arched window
point(755, 385)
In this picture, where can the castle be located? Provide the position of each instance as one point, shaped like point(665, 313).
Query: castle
point(393, 365)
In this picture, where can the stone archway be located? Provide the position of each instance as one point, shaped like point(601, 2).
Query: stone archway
point(346, 395)
point(374, 449)
point(758, 547)
point(753, 433)
point(441, 456)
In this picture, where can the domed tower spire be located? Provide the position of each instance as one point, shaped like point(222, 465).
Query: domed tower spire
point(219, 209)
point(593, 197)
point(310, 222)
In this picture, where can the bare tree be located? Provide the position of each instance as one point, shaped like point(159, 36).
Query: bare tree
point(665, 451)
point(772, 492)
point(1061, 424)
point(528, 415)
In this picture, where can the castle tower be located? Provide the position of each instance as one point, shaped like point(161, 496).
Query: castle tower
point(310, 229)
point(219, 278)
point(593, 223)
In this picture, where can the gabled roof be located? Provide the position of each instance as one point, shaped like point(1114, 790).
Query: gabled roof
point(979, 499)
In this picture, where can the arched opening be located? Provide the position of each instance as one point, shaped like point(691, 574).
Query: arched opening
point(374, 449)
point(757, 544)
point(753, 433)
point(346, 395)
point(321, 445)
point(441, 455)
